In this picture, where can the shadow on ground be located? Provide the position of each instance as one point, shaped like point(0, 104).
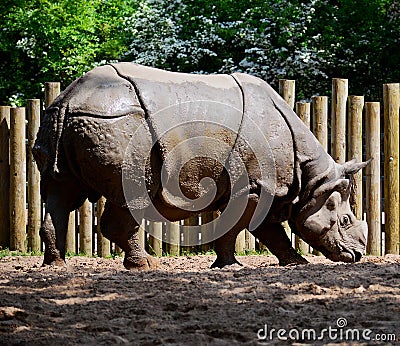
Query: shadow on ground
point(97, 302)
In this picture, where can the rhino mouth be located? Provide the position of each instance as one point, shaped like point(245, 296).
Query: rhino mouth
point(343, 254)
point(357, 256)
point(353, 256)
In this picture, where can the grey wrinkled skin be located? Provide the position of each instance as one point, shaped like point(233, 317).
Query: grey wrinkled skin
point(104, 123)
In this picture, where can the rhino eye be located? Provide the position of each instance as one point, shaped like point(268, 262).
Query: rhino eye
point(345, 220)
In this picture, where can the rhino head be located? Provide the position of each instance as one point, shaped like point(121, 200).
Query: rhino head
point(326, 221)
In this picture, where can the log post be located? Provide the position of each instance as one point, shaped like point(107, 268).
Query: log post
point(320, 127)
point(250, 241)
point(142, 234)
point(355, 112)
point(240, 244)
point(51, 91)
point(103, 244)
point(320, 119)
point(34, 200)
point(391, 167)
point(118, 251)
point(287, 89)
point(155, 238)
point(17, 180)
point(303, 111)
point(70, 241)
point(207, 229)
point(190, 234)
point(172, 238)
point(5, 177)
point(85, 228)
point(373, 151)
point(338, 114)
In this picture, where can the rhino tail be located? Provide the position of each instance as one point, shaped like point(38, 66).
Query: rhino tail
point(46, 150)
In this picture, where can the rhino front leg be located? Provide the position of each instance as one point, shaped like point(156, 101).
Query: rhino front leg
point(225, 249)
point(276, 240)
point(225, 245)
point(118, 225)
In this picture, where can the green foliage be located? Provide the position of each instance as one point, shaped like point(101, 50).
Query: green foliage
point(6, 253)
point(363, 36)
point(43, 40)
point(310, 41)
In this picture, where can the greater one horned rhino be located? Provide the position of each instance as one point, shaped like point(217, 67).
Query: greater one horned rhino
point(166, 145)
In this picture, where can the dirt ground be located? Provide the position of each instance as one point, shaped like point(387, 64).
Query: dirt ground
point(96, 301)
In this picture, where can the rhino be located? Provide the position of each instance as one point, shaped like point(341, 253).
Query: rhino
point(165, 146)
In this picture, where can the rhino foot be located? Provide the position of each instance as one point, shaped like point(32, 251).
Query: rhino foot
point(141, 263)
point(219, 263)
point(53, 259)
point(292, 259)
point(57, 262)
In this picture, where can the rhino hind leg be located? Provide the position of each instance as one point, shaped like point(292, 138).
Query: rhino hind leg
point(224, 246)
point(54, 253)
point(276, 240)
point(61, 198)
point(118, 225)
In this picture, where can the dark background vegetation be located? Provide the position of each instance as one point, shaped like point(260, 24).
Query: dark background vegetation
point(310, 41)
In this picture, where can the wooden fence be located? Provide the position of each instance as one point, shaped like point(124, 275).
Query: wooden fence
point(351, 130)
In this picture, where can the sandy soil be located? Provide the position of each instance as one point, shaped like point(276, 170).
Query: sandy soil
point(97, 302)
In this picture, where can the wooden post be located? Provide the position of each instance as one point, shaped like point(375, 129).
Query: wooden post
point(240, 243)
point(173, 238)
point(320, 119)
point(142, 234)
point(190, 234)
point(250, 241)
point(303, 111)
point(17, 180)
point(118, 251)
point(103, 244)
point(51, 91)
point(85, 228)
point(355, 112)
point(34, 200)
point(5, 177)
point(207, 229)
point(287, 89)
point(391, 98)
point(70, 241)
point(373, 150)
point(338, 128)
point(320, 127)
point(155, 238)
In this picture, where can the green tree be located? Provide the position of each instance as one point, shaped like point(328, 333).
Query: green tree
point(42, 40)
point(311, 41)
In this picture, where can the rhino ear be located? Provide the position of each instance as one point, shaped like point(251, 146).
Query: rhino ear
point(352, 167)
